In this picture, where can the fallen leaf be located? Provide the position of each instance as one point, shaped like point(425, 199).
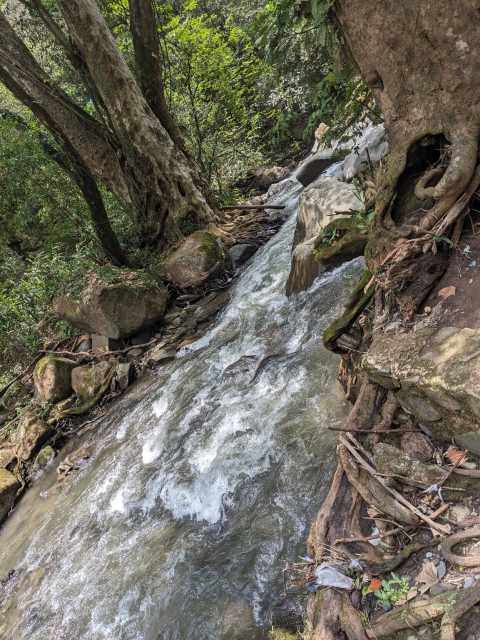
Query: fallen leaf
point(446, 292)
point(375, 585)
point(428, 575)
point(454, 455)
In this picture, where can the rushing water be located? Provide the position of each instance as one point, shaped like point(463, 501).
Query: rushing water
point(203, 484)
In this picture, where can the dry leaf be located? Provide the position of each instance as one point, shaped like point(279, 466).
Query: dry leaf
point(375, 584)
point(428, 575)
point(454, 455)
point(446, 292)
point(413, 593)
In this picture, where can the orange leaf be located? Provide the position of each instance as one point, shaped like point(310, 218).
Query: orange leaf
point(454, 455)
point(375, 585)
point(446, 292)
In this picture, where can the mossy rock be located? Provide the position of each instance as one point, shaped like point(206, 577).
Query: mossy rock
point(349, 242)
point(200, 253)
point(52, 377)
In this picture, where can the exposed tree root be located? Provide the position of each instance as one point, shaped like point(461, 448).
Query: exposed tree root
point(449, 543)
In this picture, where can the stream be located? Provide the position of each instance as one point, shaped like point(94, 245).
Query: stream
point(203, 482)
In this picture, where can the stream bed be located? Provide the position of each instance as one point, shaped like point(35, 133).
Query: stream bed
point(203, 482)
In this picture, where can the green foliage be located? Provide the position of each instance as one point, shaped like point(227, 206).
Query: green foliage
point(392, 591)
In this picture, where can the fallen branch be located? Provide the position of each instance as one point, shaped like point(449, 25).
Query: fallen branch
point(368, 432)
point(378, 535)
point(252, 207)
point(398, 496)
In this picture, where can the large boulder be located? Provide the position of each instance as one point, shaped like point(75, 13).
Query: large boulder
point(324, 201)
point(199, 254)
point(32, 434)
point(116, 306)
point(316, 164)
point(435, 379)
point(52, 377)
point(375, 140)
point(87, 380)
point(9, 485)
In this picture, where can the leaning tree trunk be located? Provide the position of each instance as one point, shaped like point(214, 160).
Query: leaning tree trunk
point(173, 188)
point(422, 62)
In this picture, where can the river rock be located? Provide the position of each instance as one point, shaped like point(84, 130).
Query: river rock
point(103, 344)
point(114, 307)
point(316, 164)
point(85, 344)
point(52, 377)
point(267, 177)
point(6, 457)
point(323, 201)
point(417, 446)
point(374, 139)
point(33, 432)
point(44, 458)
point(199, 254)
point(240, 253)
point(87, 380)
point(436, 381)
point(9, 485)
point(124, 374)
point(393, 462)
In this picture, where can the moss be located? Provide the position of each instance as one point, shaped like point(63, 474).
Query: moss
point(209, 243)
point(351, 242)
point(357, 302)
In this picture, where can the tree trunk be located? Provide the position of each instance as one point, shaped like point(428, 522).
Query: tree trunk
point(422, 62)
point(131, 153)
point(171, 184)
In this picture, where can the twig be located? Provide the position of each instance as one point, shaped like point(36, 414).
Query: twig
point(367, 432)
point(135, 346)
point(378, 535)
point(252, 207)
point(398, 496)
point(474, 355)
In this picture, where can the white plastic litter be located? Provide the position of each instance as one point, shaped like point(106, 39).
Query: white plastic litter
point(330, 574)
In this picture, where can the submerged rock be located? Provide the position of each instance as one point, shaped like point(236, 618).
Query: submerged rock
point(114, 307)
point(52, 377)
point(199, 254)
point(9, 485)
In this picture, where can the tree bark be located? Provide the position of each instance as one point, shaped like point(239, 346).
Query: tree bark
point(422, 62)
point(173, 188)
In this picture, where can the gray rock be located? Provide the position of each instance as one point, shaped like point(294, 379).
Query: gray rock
point(115, 307)
point(102, 344)
point(417, 446)
point(124, 375)
point(429, 554)
point(162, 355)
point(267, 177)
point(240, 253)
point(133, 354)
point(52, 377)
point(437, 589)
point(441, 570)
point(374, 139)
point(418, 406)
point(85, 345)
point(468, 582)
point(9, 485)
point(324, 200)
point(199, 254)
point(407, 577)
point(314, 166)
point(32, 434)
point(392, 461)
point(87, 380)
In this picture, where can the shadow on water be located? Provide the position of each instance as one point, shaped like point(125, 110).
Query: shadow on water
point(204, 481)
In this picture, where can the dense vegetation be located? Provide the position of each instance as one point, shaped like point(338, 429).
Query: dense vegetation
point(247, 83)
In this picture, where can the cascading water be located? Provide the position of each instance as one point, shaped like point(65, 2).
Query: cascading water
point(203, 483)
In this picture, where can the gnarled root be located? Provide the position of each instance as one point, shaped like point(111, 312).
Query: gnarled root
point(334, 614)
point(449, 543)
point(416, 613)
